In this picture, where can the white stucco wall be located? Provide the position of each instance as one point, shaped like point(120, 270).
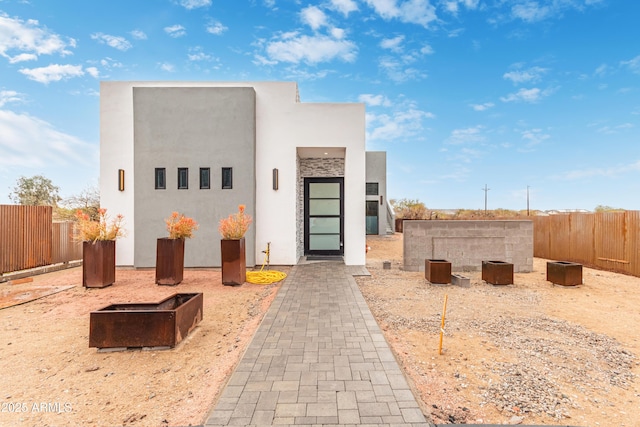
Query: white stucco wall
point(282, 125)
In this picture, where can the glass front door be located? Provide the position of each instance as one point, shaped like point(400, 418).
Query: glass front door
point(323, 225)
point(372, 216)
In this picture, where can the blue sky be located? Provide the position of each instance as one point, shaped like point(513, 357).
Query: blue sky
point(460, 93)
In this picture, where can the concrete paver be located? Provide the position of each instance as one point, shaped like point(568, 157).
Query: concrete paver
point(318, 358)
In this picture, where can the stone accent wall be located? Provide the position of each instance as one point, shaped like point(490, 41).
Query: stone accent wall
point(312, 168)
point(467, 243)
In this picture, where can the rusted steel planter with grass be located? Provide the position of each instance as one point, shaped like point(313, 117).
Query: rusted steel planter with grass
point(98, 263)
point(564, 273)
point(160, 324)
point(169, 261)
point(497, 272)
point(234, 263)
point(437, 271)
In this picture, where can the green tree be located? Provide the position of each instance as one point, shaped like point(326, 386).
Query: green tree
point(87, 201)
point(409, 209)
point(604, 208)
point(35, 191)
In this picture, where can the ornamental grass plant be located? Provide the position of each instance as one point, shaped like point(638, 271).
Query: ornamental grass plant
point(180, 226)
point(235, 225)
point(101, 229)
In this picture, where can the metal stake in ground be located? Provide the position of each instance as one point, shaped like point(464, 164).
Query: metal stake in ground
point(444, 312)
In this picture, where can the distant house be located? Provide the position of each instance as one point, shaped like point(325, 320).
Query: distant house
point(203, 148)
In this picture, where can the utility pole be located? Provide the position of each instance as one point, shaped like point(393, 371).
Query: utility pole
point(527, 200)
point(485, 198)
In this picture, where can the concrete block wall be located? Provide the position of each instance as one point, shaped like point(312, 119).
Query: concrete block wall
point(467, 243)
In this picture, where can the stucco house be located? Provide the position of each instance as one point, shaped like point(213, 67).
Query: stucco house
point(203, 148)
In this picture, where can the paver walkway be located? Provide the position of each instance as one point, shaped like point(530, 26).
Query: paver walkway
point(318, 358)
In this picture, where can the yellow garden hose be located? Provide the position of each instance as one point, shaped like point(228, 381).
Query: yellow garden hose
point(267, 277)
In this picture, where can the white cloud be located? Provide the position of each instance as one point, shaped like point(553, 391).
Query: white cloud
point(398, 71)
point(419, 12)
point(532, 95)
point(53, 73)
point(29, 142)
point(470, 135)
point(337, 33)
point(531, 75)
point(7, 96)
point(110, 63)
point(609, 172)
point(452, 6)
point(404, 123)
point(196, 54)
point(92, 71)
point(138, 35)
point(374, 100)
point(116, 42)
point(193, 4)
point(482, 107)
point(166, 66)
point(344, 6)
point(534, 136)
point(216, 28)
point(427, 50)
point(313, 17)
point(175, 31)
point(393, 44)
point(23, 57)
point(295, 48)
point(25, 40)
point(531, 11)
point(633, 64)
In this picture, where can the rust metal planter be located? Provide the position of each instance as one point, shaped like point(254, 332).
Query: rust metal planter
point(234, 263)
point(437, 271)
point(169, 261)
point(564, 273)
point(160, 324)
point(98, 263)
point(399, 225)
point(497, 272)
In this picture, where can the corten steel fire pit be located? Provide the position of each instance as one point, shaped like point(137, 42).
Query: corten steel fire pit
point(564, 273)
point(497, 272)
point(437, 271)
point(160, 324)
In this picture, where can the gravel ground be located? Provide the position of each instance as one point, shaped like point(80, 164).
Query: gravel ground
point(532, 352)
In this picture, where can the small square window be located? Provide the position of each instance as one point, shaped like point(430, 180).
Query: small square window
point(183, 178)
point(372, 188)
point(205, 178)
point(161, 181)
point(227, 178)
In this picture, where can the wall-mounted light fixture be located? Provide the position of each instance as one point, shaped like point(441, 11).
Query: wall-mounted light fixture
point(121, 179)
point(275, 178)
point(381, 201)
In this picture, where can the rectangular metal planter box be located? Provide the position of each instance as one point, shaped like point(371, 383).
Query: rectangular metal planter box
point(437, 270)
point(160, 324)
point(497, 272)
point(234, 264)
point(169, 261)
point(98, 263)
point(564, 273)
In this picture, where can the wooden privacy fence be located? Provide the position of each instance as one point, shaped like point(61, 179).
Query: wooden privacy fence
point(29, 238)
point(606, 240)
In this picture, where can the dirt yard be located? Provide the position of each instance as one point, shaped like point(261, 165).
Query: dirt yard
point(50, 376)
point(532, 352)
point(529, 353)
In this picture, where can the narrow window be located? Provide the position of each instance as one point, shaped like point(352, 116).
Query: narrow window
point(161, 182)
point(372, 188)
point(183, 178)
point(227, 178)
point(205, 178)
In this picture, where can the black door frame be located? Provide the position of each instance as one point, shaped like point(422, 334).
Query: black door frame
point(307, 181)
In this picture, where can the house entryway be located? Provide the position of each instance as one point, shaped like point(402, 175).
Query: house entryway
point(324, 216)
